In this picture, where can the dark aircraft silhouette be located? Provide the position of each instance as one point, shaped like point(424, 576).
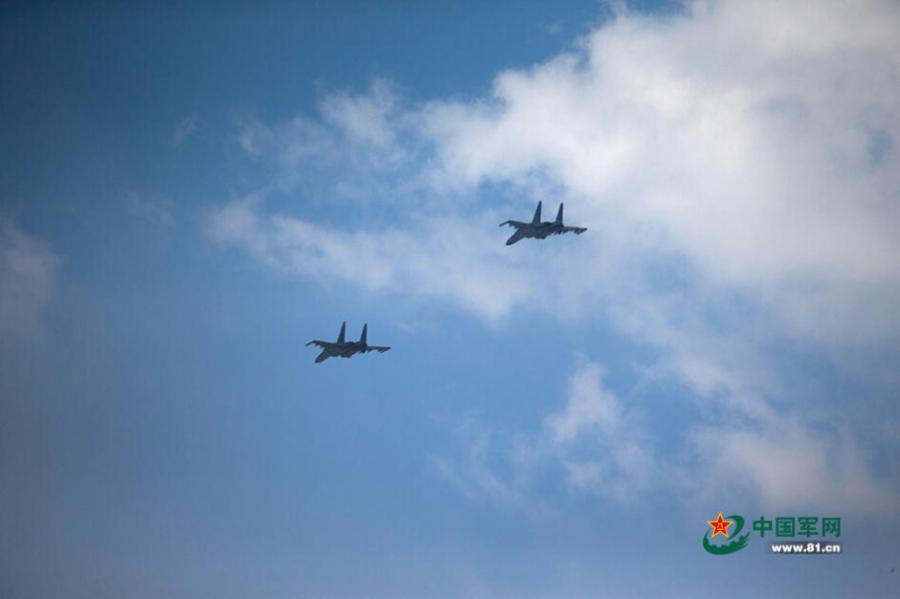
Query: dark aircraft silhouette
point(345, 349)
point(538, 230)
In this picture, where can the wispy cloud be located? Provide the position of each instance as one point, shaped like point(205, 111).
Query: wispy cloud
point(615, 457)
point(598, 445)
point(157, 212)
point(594, 444)
point(185, 128)
point(28, 272)
point(476, 474)
point(442, 258)
point(365, 144)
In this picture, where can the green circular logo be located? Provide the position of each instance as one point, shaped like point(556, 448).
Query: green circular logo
point(737, 544)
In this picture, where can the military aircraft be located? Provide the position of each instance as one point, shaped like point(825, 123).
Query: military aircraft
point(345, 349)
point(538, 230)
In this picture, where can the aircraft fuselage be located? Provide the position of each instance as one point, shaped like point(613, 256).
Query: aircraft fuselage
point(340, 350)
point(542, 230)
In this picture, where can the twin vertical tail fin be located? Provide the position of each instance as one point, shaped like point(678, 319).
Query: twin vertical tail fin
point(559, 215)
point(342, 334)
point(537, 215)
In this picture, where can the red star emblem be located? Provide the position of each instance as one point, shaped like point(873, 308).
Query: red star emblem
point(720, 526)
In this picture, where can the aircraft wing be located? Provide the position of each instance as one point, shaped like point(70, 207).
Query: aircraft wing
point(576, 230)
point(316, 342)
point(378, 348)
point(514, 223)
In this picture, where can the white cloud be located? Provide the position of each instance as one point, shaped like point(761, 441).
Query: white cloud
point(366, 118)
point(735, 135)
point(786, 464)
point(738, 170)
point(28, 268)
point(590, 407)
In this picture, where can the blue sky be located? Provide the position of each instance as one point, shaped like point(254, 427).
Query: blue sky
point(188, 196)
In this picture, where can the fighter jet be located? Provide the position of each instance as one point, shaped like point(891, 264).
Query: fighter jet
point(345, 349)
point(538, 230)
